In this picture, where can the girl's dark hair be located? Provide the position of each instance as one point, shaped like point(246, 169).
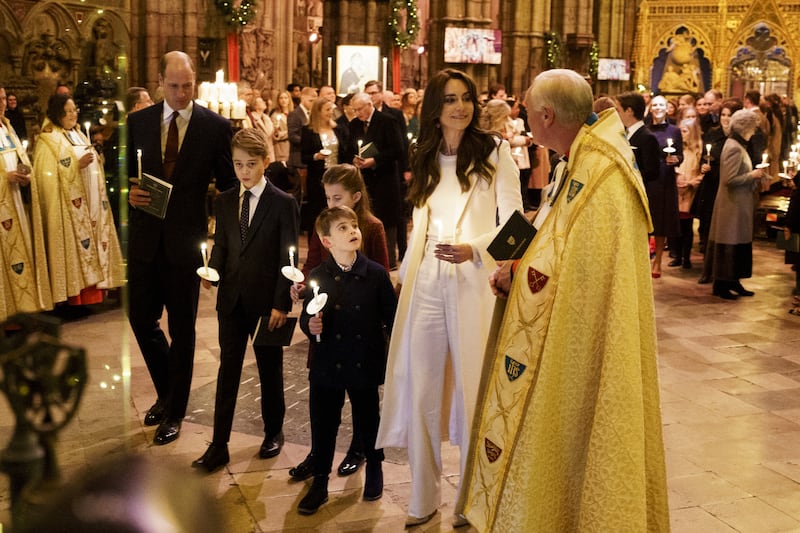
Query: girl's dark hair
point(473, 152)
point(55, 108)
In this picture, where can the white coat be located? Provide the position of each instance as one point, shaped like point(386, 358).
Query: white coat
point(476, 224)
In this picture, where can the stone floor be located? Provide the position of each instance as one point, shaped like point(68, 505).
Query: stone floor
point(730, 381)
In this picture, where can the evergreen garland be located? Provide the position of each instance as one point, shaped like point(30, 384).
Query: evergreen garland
point(553, 54)
point(403, 37)
point(594, 54)
point(236, 18)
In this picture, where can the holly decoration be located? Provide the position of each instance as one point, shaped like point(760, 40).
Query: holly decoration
point(404, 36)
point(236, 18)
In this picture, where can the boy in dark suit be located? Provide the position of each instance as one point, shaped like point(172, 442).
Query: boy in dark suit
point(351, 354)
point(256, 225)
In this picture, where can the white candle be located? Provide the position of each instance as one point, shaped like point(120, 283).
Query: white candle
point(225, 110)
point(324, 138)
point(291, 256)
point(330, 66)
point(385, 78)
point(220, 76)
point(213, 105)
point(25, 145)
point(764, 158)
point(87, 125)
point(785, 166)
point(315, 287)
point(360, 142)
point(669, 142)
point(438, 224)
point(139, 163)
point(203, 248)
point(708, 149)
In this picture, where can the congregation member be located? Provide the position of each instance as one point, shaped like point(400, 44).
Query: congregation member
point(279, 115)
point(464, 181)
point(791, 228)
point(631, 106)
point(24, 280)
point(15, 116)
point(323, 143)
point(137, 98)
point(84, 257)
point(257, 224)
point(296, 120)
point(188, 146)
point(261, 120)
point(378, 163)
point(689, 178)
point(569, 408)
point(349, 337)
point(729, 253)
point(759, 141)
point(662, 193)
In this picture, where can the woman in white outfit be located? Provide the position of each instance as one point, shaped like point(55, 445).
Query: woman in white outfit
point(464, 181)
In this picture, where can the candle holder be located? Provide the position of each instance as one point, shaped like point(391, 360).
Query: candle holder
point(669, 149)
point(208, 274)
point(317, 303)
point(292, 274)
point(762, 165)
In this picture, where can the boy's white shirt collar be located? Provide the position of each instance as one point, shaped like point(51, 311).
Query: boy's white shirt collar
point(256, 190)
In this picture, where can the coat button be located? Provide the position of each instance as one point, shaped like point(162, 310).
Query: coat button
point(337, 307)
point(358, 308)
point(338, 336)
point(338, 366)
point(358, 337)
point(338, 278)
point(358, 365)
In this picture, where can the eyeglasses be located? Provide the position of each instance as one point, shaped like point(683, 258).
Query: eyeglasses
point(373, 92)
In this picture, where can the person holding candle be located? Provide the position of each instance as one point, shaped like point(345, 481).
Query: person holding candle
point(662, 193)
point(323, 143)
point(344, 186)
point(631, 107)
point(349, 337)
point(703, 205)
point(24, 280)
point(688, 178)
point(729, 254)
point(83, 253)
point(466, 178)
point(280, 135)
point(188, 146)
point(256, 224)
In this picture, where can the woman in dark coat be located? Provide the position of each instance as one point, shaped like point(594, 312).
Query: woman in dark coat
point(662, 193)
point(322, 144)
point(792, 227)
point(729, 254)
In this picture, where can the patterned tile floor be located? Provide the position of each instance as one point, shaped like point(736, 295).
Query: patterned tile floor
point(730, 381)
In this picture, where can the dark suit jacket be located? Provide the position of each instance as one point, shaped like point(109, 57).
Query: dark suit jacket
point(251, 272)
point(647, 153)
point(295, 122)
point(382, 179)
point(205, 154)
point(402, 131)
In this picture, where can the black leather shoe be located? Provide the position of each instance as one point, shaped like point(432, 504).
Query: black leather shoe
point(704, 280)
point(271, 446)
point(167, 431)
point(216, 456)
point(741, 291)
point(687, 264)
point(304, 470)
point(675, 262)
point(723, 291)
point(351, 463)
point(373, 483)
point(316, 496)
point(154, 415)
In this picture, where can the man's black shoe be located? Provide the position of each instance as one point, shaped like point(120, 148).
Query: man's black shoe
point(304, 470)
point(271, 446)
point(216, 456)
point(317, 495)
point(167, 431)
point(351, 463)
point(154, 415)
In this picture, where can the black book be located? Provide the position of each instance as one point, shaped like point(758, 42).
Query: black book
point(281, 336)
point(513, 239)
point(160, 192)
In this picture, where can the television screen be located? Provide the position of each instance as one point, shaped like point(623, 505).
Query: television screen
point(472, 45)
point(613, 69)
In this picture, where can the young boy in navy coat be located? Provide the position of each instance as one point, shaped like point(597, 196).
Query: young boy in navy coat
point(256, 225)
point(351, 355)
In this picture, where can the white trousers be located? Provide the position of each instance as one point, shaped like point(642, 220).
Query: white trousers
point(433, 338)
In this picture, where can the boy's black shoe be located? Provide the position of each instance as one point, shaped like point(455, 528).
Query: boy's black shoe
point(317, 495)
point(304, 470)
point(373, 484)
point(350, 464)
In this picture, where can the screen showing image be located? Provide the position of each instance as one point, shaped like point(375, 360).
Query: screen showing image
point(472, 45)
point(613, 69)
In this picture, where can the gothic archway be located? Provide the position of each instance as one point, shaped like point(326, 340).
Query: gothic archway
point(681, 65)
point(760, 63)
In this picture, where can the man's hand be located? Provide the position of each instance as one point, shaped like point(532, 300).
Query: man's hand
point(500, 279)
point(137, 196)
point(297, 291)
point(16, 176)
point(86, 159)
point(363, 163)
point(277, 318)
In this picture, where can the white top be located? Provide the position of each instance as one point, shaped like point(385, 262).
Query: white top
point(440, 202)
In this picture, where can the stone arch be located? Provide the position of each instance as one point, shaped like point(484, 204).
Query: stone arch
point(682, 61)
point(106, 37)
point(759, 57)
point(10, 43)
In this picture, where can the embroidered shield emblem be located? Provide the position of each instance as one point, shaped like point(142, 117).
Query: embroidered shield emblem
point(105, 246)
point(85, 244)
point(493, 451)
point(18, 268)
point(105, 204)
point(574, 188)
point(514, 368)
point(511, 240)
point(77, 202)
point(536, 280)
point(67, 161)
point(7, 224)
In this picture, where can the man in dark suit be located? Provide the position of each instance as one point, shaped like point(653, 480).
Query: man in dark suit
point(295, 122)
point(188, 146)
point(374, 90)
point(379, 164)
point(257, 224)
point(631, 106)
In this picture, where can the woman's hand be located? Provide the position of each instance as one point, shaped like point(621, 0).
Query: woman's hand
point(19, 177)
point(705, 168)
point(315, 324)
point(757, 173)
point(297, 291)
point(453, 253)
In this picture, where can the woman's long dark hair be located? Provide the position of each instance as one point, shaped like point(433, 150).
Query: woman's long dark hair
point(473, 152)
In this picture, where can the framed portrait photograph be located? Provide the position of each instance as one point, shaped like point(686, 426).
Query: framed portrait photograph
point(356, 65)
